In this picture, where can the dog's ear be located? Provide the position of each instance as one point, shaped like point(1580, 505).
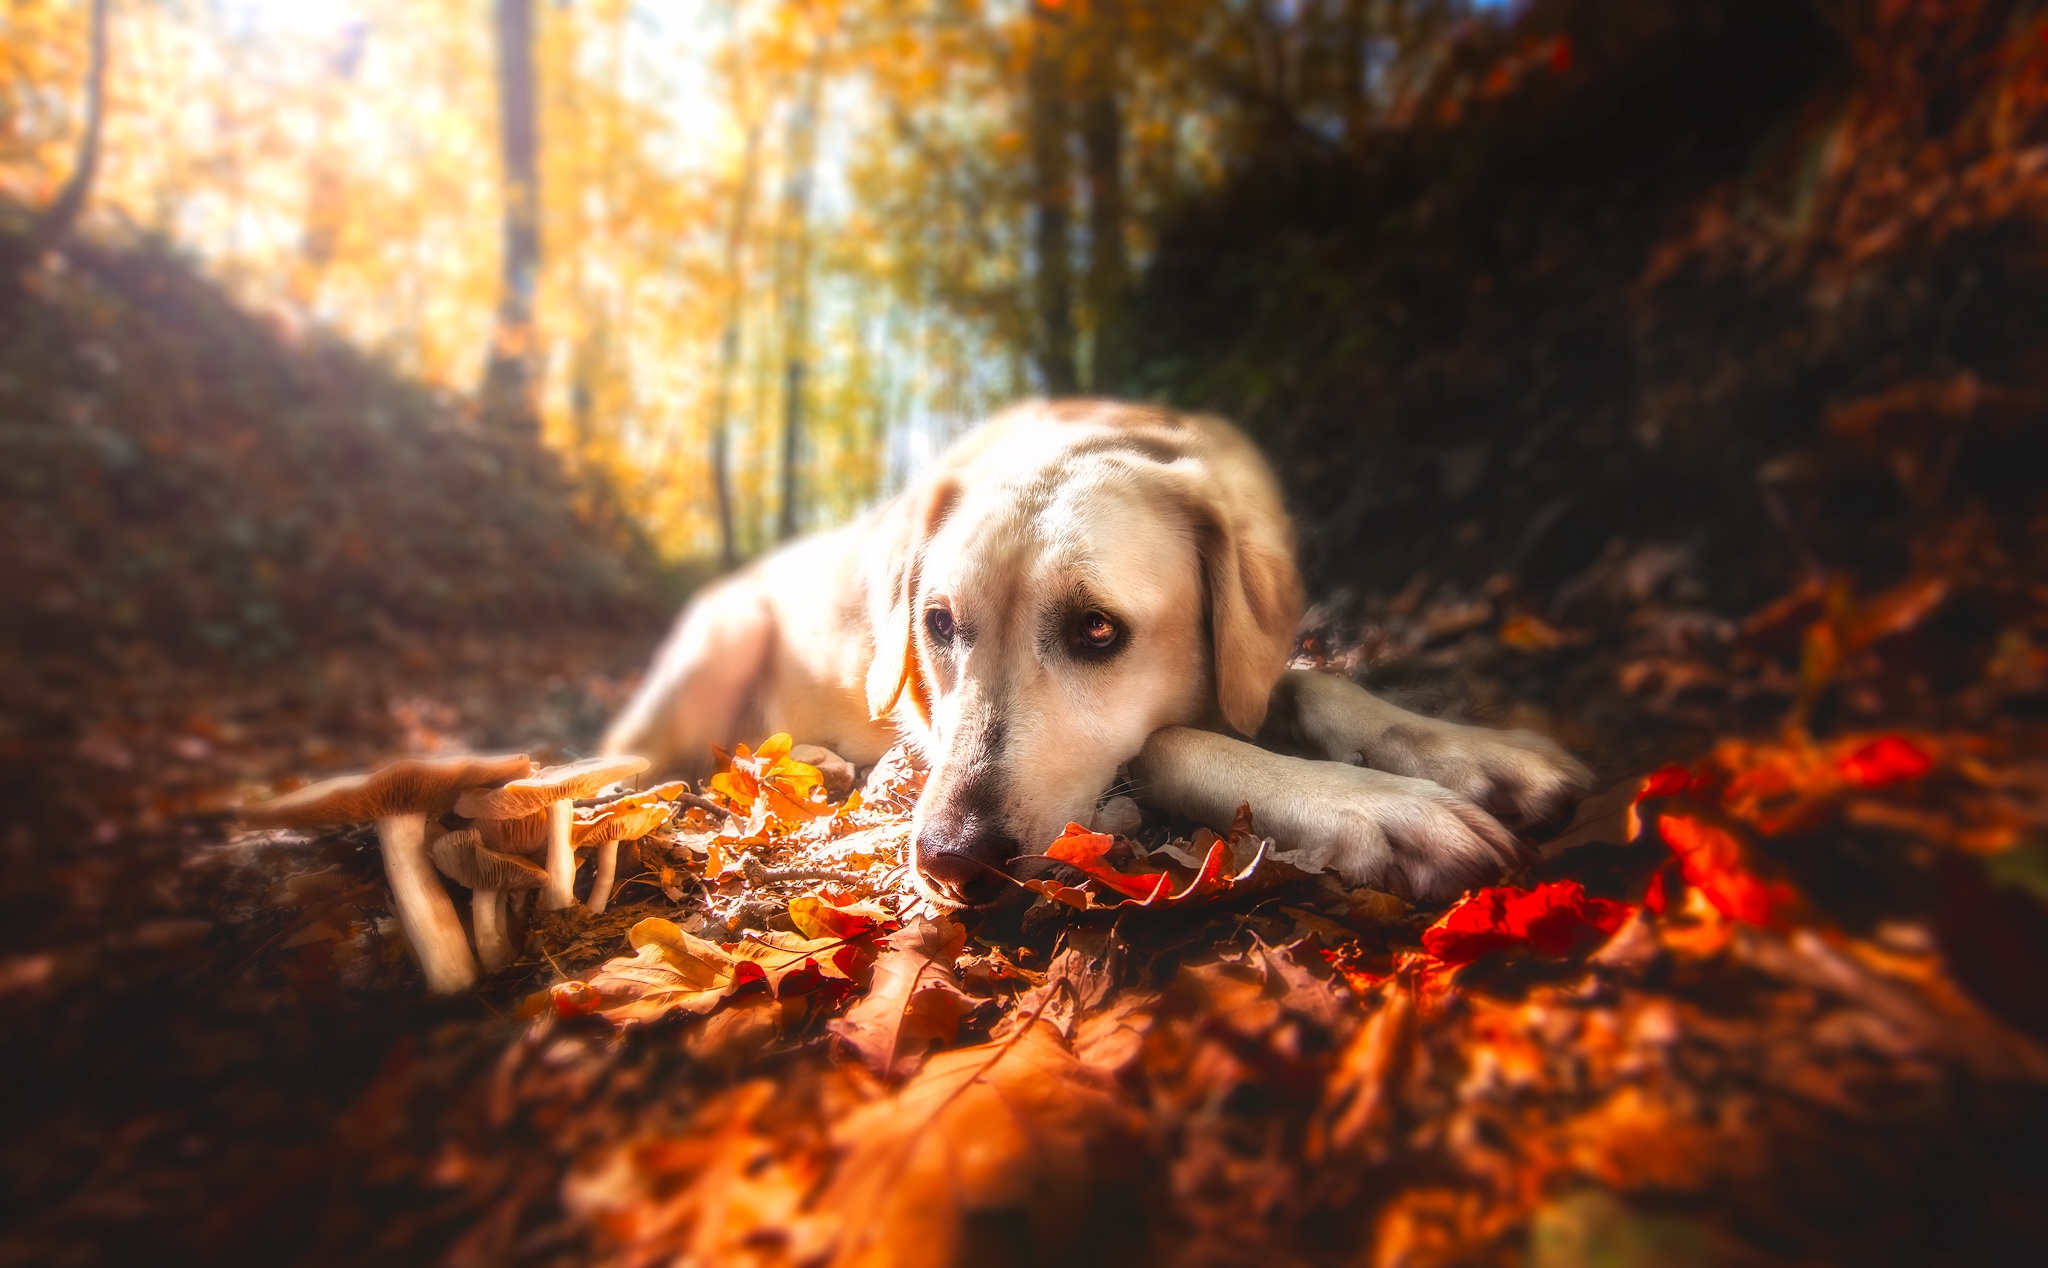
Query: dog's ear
point(890, 611)
point(1254, 593)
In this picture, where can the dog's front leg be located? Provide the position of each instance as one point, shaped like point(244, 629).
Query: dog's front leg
point(1389, 831)
point(1523, 778)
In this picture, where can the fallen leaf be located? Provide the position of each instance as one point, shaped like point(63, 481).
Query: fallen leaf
point(792, 964)
point(913, 1000)
point(1079, 848)
point(672, 971)
point(816, 917)
point(1085, 850)
point(769, 783)
point(1008, 1135)
point(574, 999)
point(1887, 759)
point(1711, 860)
point(1611, 817)
point(1555, 918)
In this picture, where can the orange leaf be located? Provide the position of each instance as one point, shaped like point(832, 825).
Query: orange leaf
point(1080, 848)
point(1712, 861)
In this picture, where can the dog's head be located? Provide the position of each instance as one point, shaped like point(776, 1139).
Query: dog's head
point(1082, 577)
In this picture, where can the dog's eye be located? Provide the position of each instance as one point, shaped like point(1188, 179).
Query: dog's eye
point(939, 623)
point(1094, 634)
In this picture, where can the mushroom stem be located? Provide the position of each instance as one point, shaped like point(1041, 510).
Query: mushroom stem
point(560, 890)
point(487, 916)
point(607, 872)
point(424, 912)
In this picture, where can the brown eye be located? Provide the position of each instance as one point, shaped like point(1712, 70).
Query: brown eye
point(938, 622)
point(1094, 635)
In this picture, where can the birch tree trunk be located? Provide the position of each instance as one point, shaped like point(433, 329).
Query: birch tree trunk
point(511, 379)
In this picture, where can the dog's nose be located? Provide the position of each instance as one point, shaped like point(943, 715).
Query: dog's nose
point(964, 858)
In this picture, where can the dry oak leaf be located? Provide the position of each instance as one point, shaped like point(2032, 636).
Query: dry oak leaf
point(913, 1000)
point(1016, 1129)
point(795, 965)
point(816, 916)
point(672, 971)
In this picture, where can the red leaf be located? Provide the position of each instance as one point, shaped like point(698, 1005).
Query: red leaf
point(1656, 898)
point(574, 999)
point(1885, 760)
point(1667, 781)
point(1241, 822)
point(1711, 859)
point(1078, 847)
point(1555, 918)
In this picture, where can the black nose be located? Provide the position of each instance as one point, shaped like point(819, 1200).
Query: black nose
point(964, 858)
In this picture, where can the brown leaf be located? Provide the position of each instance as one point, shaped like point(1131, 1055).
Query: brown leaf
point(913, 1000)
point(725, 1191)
point(1300, 991)
point(673, 971)
point(1605, 818)
point(1014, 1128)
point(1360, 1094)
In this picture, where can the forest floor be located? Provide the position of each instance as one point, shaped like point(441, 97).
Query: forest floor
point(1770, 1004)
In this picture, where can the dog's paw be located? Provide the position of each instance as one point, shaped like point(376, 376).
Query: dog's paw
point(1411, 836)
point(1523, 779)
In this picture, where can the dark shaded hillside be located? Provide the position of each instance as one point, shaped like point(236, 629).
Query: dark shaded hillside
point(179, 471)
point(1648, 288)
point(204, 511)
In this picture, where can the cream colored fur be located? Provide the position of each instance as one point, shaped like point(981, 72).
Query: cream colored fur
point(1171, 524)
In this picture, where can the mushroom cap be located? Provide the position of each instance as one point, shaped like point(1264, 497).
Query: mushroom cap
point(461, 856)
point(627, 824)
point(411, 785)
point(528, 835)
point(523, 796)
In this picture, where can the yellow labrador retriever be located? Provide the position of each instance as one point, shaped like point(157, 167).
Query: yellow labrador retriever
point(1082, 588)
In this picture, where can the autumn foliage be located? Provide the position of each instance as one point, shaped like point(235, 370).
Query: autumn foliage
point(1666, 377)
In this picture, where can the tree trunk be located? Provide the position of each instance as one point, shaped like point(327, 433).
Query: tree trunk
point(511, 379)
point(796, 282)
point(1109, 266)
point(1356, 60)
point(729, 353)
point(1047, 124)
point(61, 216)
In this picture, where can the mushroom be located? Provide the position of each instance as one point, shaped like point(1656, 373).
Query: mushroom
point(628, 823)
point(527, 836)
point(488, 874)
point(556, 789)
point(399, 798)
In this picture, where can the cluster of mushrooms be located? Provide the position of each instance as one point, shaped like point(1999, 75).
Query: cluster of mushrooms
point(514, 812)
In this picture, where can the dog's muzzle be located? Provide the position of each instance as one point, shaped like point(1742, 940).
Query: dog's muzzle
point(963, 857)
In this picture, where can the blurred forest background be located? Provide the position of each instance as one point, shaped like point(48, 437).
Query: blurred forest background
point(378, 376)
